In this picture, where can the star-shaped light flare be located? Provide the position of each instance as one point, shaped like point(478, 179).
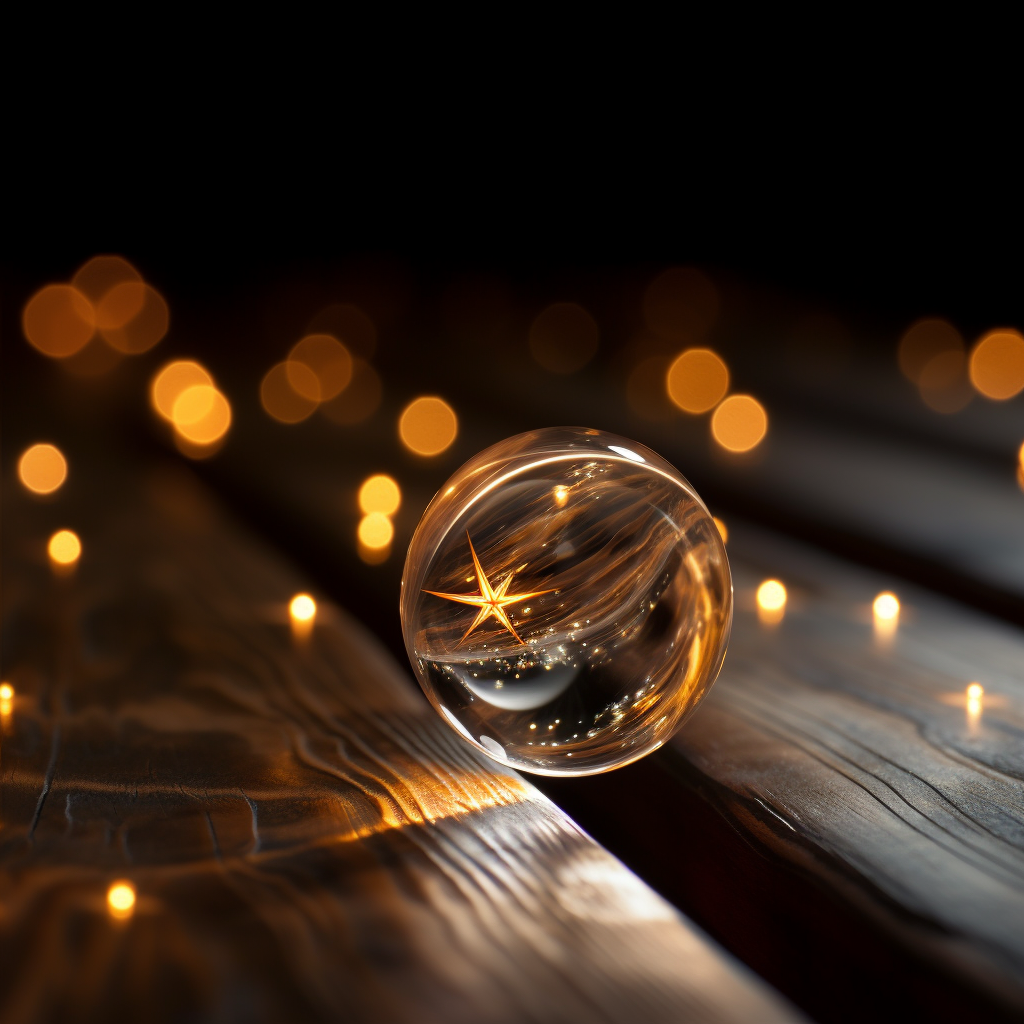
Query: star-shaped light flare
point(492, 601)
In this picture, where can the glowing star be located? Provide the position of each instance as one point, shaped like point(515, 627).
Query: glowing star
point(492, 601)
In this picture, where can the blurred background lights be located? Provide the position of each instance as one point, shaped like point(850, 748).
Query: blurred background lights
point(121, 900)
point(133, 317)
point(428, 426)
point(302, 608)
point(697, 380)
point(974, 695)
point(357, 402)
point(171, 381)
point(680, 305)
point(58, 320)
point(6, 691)
point(739, 423)
point(279, 397)
point(64, 548)
point(997, 364)
point(327, 359)
point(42, 468)
point(201, 415)
point(886, 606)
point(722, 529)
point(375, 530)
point(379, 493)
point(563, 338)
point(923, 341)
point(771, 602)
point(975, 691)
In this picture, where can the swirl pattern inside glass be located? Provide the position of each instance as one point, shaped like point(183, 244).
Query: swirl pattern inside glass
point(566, 601)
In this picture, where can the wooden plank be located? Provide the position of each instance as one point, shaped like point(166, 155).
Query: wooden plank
point(308, 840)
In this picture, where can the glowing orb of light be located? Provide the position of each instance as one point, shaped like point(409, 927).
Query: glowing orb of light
point(64, 548)
point(566, 601)
point(771, 596)
point(121, 900)
point(302, 608)
point(886, 606)
point(42, 468)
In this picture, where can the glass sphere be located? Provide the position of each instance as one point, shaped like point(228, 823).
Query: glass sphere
point(566, 601)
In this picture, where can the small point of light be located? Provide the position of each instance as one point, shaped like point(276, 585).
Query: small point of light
point(626, 453)
point(428, 426)
point(997, 364)
point(6, 691)
point(302, 608)
point(380, 493)
point(697, 380)
point(121, 900)
point(561, 494)
point(975, 691)
point(739, 423)
point(375, 530)
point(64, 548)
point(886, 607)
point(58, 320)
point(42, 468)
point(171, 380)
point(771, 596)
point(721, 529)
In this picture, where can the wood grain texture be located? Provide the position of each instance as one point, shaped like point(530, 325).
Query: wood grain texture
point(308, 840)
point(854, 759)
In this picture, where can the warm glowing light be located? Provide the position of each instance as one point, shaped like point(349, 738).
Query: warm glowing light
point(722, 529)
point(975, 691)
point(359, 400)
point(771, 596)
point(58, 320)
point(280, 398)
point(886, 607)
point(491, 601)
point(428, 426)
point(201, 414)
point(6, 691)
point(681, 304)
point(133, 317)
point(739, 423)
point(98, 276)
point(302, 608)
point(923, 341)
point(561, 494)
point(42, 469)
point(380, 493)
point(564, 338)
point(327, 359)
point(375, 530)
point(64, 548)
point(121, 900)
point(171, 381)
point(697, 380)
point(997, 364)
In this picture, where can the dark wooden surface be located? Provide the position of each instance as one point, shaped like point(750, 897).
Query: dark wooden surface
point(308, 840)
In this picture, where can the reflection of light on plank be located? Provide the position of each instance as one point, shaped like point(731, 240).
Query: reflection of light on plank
point(886, 612)
point(121, 900)
point(771, 602)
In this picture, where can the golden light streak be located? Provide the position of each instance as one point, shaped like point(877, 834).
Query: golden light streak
point(561, 494)
point(491, 601)
point(64, 548)
point(771, 602)
point(428, 425)
point(42, 468)
point(121, 900)
point(380, 493)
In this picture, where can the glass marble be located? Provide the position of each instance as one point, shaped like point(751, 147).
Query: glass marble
point(566, 601)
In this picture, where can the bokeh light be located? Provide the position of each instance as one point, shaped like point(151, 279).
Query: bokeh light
point(997, 364)
point(697, 380)
point(201, 414)
point(380, 493)
point(99, 275)
point(923, 341)
point(564, 337)
point(681, 304)
point(6, 691)
point(886, 606)
point(302, 608)
point(428, 426)
point(771, 602)
point(739, 423)
point(121, 900)
point(64, 548)
point(975, 691)
point(328, 360)
point(120, 305)
point(359, 401)
point(375, 530)
point(171, 380)
point(279, 398)
point(42, 468)
point(141, 329)
point(58, 320)
point(722, 529)
point(943, 382)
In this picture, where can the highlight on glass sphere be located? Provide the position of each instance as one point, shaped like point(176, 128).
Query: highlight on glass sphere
point(566, 601)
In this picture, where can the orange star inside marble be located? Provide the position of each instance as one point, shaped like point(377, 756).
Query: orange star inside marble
point(491, 601)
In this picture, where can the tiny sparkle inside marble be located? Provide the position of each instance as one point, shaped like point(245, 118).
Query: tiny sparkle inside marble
point(566, 601)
